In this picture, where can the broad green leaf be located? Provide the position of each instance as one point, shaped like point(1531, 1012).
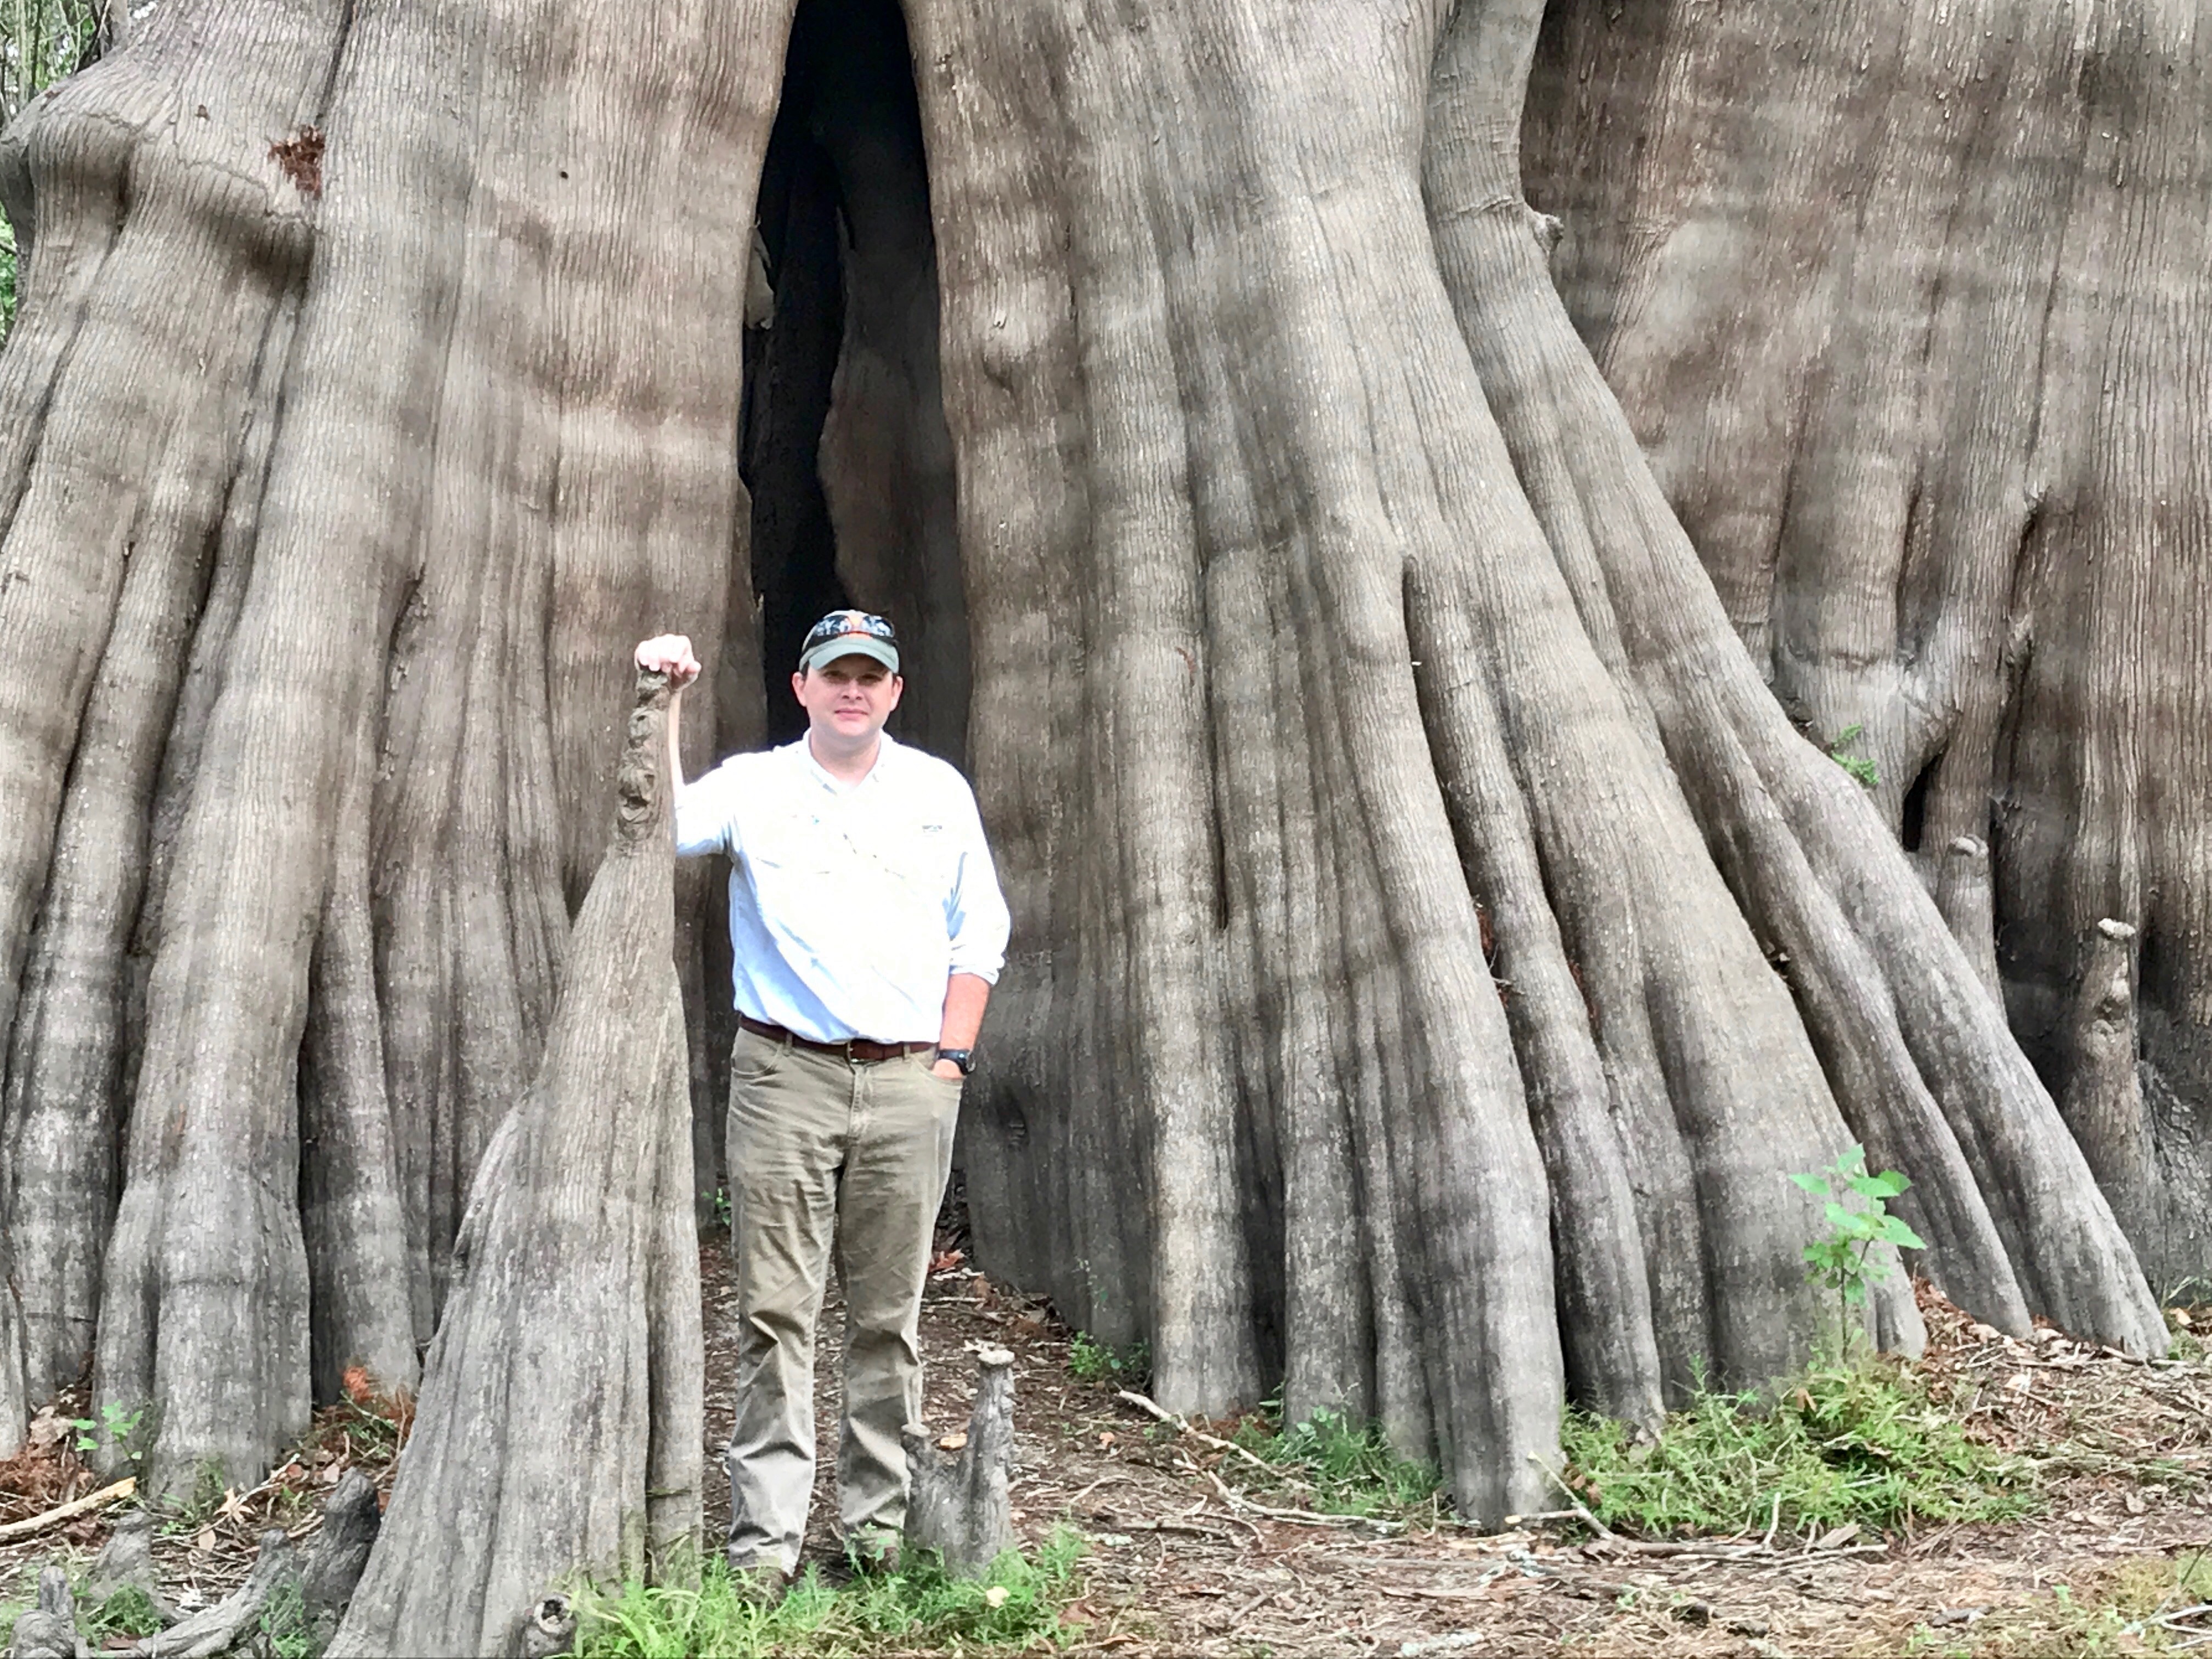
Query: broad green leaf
point(1900, 1235)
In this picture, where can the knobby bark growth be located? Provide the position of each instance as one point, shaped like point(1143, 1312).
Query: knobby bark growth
point(1436, 945)
point(562, 1412)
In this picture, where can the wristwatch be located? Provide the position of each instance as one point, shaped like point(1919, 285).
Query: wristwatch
point(964, 1058)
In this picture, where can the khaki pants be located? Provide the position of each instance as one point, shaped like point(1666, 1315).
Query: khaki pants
point(823, 1149)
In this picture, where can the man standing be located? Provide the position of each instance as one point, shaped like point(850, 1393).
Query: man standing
point(867, 928)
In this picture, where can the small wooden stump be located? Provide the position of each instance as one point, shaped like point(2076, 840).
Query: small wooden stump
point(49, 1630)
point(126, 1562)
point(959, 1509)
point(550, 1630)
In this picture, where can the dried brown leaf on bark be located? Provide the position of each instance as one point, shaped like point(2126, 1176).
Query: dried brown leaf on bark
point(300, 157)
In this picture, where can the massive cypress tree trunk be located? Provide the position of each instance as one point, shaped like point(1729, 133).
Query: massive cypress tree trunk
point(1436, 945)
point(1930, 401)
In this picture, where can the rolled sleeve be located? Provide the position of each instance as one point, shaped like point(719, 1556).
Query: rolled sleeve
point(704, 823)
point(976, 916)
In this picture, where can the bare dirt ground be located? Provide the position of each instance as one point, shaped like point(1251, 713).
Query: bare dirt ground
point(1185, 1559)
point(1179, 1567)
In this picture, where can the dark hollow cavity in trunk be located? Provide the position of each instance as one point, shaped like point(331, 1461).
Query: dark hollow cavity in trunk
point(846, 450)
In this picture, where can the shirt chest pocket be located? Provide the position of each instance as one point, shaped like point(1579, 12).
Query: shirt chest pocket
point(920, 855)
point(802, 849)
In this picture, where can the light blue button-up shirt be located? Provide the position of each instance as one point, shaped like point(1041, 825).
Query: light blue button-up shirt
point(850, 906)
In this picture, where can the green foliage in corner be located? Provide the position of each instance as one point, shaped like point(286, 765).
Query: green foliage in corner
point(7, 278)
point(1862, 770)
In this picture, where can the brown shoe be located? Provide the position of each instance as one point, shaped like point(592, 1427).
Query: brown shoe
point(762, 1584)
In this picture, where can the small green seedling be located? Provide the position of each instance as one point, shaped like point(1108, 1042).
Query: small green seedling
point(1867, 774)
point(115, 1424)
point(1841, 1260)
point(1090, 1360)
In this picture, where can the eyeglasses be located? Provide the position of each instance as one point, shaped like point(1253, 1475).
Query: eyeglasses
point(842, 624)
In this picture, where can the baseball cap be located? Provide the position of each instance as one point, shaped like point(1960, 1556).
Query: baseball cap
point(849, 634)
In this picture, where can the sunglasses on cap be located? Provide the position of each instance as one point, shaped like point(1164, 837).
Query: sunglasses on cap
point(843, 624)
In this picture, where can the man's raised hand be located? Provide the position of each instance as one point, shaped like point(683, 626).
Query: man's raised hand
point(669, 654)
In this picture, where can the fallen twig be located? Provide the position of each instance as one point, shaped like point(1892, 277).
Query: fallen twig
point(75, 1506)
point(2168, 1620)
point(1159, 1413)
point(1456, 1641)
point(1119, 1524)
point(1568, 1492)
point(1103, 1479)
point(1542, 1517)
point(1299, 1517)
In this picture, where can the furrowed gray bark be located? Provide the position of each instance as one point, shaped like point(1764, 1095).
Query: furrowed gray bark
point(576, 1296)
point(1886, 992)
point(112, 481)
point(1435, 947)
point(1948, 486)
point(401, 659)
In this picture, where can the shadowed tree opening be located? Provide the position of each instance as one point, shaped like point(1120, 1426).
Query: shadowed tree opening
point(845, 446)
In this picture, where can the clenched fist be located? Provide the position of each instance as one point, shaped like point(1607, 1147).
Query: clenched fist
point(669, 654)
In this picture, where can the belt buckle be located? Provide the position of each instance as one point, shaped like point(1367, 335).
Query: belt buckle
point(851, 1059)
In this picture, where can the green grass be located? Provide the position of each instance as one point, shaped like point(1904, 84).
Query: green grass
point(284, 1631)
point(2188, 1346)
point(1839, 1444)
point(1015, 1606)
point(189, 1514)
point(129, 1612)
point(1348, 1468)
point(1090, 1360)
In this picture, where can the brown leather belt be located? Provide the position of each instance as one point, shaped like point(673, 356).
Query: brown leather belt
point(851, 1049)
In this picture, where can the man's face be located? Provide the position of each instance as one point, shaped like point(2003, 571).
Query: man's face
point(848, 698)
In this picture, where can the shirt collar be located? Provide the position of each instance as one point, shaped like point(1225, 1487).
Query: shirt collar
point(803, 752)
